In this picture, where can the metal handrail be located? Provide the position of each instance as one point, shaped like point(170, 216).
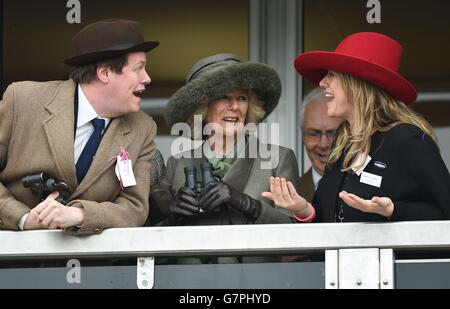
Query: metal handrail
point(226, 240)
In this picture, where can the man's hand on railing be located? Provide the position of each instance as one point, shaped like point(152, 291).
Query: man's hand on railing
point(32, 222)
point(52, 215)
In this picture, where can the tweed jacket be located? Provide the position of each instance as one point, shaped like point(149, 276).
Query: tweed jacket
point(37, 135)
point(307, 186)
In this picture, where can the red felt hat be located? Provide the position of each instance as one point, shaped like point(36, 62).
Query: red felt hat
point(371, 56)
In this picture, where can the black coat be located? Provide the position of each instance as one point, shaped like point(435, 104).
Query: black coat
point(414, 177)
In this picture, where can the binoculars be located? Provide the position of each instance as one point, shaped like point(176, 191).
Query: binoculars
point(43, 184)
point(190, 173)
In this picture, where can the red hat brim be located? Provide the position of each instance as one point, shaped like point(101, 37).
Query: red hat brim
point(314, 66)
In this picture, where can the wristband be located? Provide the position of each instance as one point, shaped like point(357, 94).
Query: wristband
point(311, 216)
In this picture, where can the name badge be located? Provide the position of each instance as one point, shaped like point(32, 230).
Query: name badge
point(371, 179)
point(124, 172)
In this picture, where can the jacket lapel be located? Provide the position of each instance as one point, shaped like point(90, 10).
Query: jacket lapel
point(237, 176)
point(307, 185)
point(115, 137)
point(59, 129)
point(332, 186)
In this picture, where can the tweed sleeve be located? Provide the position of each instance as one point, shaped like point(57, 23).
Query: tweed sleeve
point(11, 210)
point(287, 168)
point(158, 169)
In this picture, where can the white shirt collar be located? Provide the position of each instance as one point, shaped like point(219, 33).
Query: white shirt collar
point(316, 177)
point(86, 112)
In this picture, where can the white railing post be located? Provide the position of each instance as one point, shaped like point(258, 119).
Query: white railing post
point(331, 269)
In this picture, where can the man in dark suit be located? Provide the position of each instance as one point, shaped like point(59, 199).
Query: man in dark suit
point(57, 127)
point(317, 131)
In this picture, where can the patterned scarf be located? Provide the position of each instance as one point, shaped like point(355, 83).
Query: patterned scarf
point(222, 165)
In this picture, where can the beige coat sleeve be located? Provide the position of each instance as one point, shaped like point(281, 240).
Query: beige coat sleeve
point(11, 210)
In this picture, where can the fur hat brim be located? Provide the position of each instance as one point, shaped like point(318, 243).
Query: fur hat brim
point(260, 78)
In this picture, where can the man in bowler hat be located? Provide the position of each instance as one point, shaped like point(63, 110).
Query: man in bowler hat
point(87, 132)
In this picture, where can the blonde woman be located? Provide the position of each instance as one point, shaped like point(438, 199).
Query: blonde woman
point(385, 163)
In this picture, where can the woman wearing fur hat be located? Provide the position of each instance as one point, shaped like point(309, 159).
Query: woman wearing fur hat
point(228, 94)
point(385, 163)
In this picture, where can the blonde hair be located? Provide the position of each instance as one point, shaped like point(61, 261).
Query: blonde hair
point(374, 110)
point(255, 113)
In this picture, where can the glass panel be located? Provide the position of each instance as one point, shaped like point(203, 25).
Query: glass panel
point(422, 275)
point(306, 275)
point(421, 29)
point(37, 36)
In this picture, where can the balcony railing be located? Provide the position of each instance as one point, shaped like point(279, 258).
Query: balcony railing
point(357, 255)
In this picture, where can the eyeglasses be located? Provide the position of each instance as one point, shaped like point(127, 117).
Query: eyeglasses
point(317, 135)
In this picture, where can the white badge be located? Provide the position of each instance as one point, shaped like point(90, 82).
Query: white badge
point(124, 172)
point(358, 162)
point(371, 179)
